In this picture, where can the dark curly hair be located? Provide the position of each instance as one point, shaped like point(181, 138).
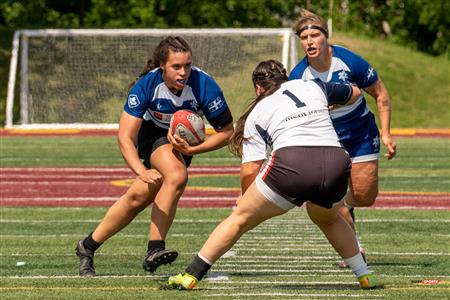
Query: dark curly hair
point(161, 54)
point(269, 75)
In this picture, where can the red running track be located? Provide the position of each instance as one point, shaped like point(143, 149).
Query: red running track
point(103, 186)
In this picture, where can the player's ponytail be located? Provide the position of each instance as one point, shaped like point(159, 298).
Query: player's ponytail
point(269, 75)
point(161, 54)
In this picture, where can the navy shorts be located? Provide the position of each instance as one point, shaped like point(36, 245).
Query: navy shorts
point(360, 137)
point(299, 174)
point(150, 138)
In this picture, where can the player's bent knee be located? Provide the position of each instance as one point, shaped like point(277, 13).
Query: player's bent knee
point(176, 179)
point(365, 200)
point(138, 202)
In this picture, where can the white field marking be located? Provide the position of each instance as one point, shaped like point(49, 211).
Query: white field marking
point(282, 247)
point(303, 243)
point(318, 266)
point(58, 176)
point(238, 257)
point(12, 184)
point(229, 253)
point(389, 207)
point(261, 227)
point(296, 295)
point(288, 270)
point(296, 234)
point(277, 239)
point(344, 276)
point(78, 277)
point(118, 169)
point(217, 276)
point(38, 199)
point(96, 221)
point(403, 220)
point(49, 236)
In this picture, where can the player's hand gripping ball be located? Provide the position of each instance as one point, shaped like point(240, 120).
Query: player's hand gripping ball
point(189, 126)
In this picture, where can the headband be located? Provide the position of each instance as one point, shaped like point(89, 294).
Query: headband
point(311, 26)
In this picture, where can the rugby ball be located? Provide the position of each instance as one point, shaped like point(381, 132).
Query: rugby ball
point(189, 126)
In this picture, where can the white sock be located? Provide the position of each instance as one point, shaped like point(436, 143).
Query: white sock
point(358, 265)
point(205, 259)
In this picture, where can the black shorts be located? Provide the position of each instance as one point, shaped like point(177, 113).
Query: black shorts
point(150, 137)
point(300, 174)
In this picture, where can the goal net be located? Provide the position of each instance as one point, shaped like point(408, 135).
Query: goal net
point(80, 78)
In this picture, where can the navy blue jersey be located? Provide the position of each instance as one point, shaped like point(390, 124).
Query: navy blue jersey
point(354, 124)
point(346, 67)
point(151, 100)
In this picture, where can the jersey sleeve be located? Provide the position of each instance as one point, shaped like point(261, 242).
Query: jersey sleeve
point(297, 71)
point(136, 101)
point(363, 74)
point(214, 105)
point(254, 146)
point(337, 93)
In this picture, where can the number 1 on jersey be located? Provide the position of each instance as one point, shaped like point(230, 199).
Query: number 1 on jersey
point(294, 98)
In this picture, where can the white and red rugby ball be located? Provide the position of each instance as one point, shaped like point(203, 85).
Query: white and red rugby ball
point(189, 126)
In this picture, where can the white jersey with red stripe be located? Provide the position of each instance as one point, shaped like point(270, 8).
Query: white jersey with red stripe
point(295, 115)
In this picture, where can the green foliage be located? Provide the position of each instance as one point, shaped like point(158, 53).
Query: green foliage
point(420, 23)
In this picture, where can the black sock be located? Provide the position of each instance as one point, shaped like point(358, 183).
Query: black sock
point(352, 213)
point(198, 268)
point(90, 244)
point(154, 245)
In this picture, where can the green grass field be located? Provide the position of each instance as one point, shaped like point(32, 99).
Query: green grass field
point(284, 258)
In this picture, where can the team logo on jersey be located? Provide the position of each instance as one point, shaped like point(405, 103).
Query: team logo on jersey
point(343, 75)
point(369, 72)
point(216, 104)
point(133, 101)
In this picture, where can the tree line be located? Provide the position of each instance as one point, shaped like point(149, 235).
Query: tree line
point(419, 24)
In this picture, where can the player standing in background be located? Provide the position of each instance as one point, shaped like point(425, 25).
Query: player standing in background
point(307, 164)
point(354, 124)
point(169, 83)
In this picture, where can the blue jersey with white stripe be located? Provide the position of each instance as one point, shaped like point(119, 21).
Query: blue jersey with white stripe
point(347, 67)
point(151, 100)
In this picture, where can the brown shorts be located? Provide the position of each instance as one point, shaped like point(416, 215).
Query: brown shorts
point(300, 174)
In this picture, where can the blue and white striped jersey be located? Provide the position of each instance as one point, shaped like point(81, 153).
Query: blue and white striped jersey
point(152, 100)
point(348, 67)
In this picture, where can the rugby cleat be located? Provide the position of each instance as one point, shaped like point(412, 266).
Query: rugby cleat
point(154, 259)
point(368, 281)
point(86, 260)
point(182, 282)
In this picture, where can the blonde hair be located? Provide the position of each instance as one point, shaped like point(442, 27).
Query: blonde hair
point(309, 20)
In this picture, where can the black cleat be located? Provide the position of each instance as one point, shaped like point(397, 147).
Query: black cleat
point(86, 260)
point(154, 259)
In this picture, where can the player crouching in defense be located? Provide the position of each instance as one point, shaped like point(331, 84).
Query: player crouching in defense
point(293, 118)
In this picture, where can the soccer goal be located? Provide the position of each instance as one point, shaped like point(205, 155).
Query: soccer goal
point(79, 78)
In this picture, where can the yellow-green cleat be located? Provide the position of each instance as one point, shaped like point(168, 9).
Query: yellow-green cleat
point(368, 281)
point(182, 282)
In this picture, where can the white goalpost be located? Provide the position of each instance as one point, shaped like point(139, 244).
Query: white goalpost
point(78, 78)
